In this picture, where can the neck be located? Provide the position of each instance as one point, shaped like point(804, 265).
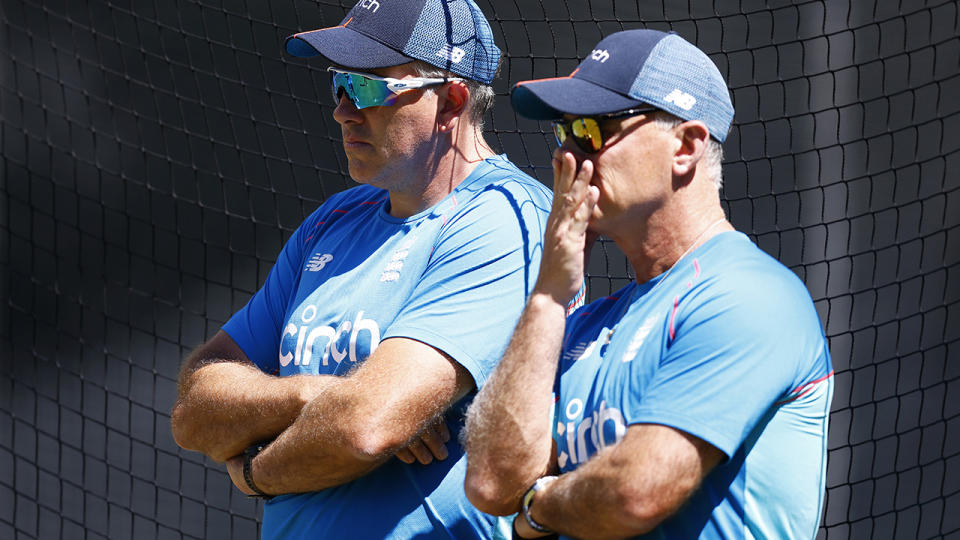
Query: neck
point(671, 233)
point(444, 168)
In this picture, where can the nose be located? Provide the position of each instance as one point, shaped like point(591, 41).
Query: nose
point(346, 112)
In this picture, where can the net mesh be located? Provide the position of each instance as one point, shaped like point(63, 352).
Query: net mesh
point(156, 155)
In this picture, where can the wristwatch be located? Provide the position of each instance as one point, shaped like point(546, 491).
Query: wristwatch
point(528, 502)
point(248, 454)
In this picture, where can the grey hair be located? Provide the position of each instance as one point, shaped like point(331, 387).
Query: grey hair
point(712, 159)
point(481, 95)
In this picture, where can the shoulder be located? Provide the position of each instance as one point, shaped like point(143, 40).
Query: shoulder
point(734, 267)
point(498, 181)
point(741, 299)
point(498, 199)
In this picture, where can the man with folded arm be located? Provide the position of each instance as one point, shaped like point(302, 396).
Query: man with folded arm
point(389, 305)
point(692, 403)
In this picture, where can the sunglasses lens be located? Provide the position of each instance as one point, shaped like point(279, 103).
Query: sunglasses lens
point(560, 132)
point(362, 91)
point(586, 132)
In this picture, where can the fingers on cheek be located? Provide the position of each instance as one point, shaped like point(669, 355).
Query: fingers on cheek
point(586, 169)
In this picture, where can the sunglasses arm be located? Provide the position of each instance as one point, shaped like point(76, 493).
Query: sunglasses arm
point(402, 85)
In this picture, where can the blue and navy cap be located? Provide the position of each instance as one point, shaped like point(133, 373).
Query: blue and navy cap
point(449, 34)
point(629, 69)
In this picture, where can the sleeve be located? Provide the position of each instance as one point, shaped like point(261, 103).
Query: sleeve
point(484, 264)
point(256, 327)
point(733, 356)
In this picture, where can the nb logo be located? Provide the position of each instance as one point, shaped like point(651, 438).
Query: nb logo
point(681, 99)
point(451, 53)
point(600, 55)
point(369, 4)
point(317, 262)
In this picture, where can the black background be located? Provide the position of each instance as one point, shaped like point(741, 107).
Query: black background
point(156, 155)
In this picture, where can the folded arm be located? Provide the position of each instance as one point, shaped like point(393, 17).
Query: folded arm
point(359, 421)
point(225, 403)
point(627, 489)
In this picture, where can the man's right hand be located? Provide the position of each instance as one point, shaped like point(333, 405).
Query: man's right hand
point(566, 241)
point(428, 445)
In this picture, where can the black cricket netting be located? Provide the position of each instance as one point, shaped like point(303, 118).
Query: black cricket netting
point(155, 156)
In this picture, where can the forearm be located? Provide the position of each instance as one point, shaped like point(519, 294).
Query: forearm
point(361, 420)
point(587, 503)
point(226, 406)
point(627, 489)
point(508, 425)
point(314, 453)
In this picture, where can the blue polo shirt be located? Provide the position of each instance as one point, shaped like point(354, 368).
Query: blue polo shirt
point(727, 347)
point(455, 276)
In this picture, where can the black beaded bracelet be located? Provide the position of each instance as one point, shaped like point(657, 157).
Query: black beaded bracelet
point(248, 455)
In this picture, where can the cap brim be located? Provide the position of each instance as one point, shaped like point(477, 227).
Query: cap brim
point(549, 99)
point(346, 47)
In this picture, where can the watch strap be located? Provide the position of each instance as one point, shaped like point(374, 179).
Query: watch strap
point(527, 503)
point(248, 455)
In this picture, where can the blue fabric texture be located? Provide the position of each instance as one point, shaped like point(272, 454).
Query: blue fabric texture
point(455, 277)
point(631, 68)
point(450, 34)
point(729, 348)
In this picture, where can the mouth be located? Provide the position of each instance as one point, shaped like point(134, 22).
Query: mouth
point(351, 142)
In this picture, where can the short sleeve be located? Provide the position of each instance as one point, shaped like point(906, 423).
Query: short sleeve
point(475, 284)
point(256, 327)
point(734, 354)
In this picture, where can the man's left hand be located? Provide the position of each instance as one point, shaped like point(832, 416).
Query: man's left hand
point(524, 530)
point(428, 445)
point(235, 468)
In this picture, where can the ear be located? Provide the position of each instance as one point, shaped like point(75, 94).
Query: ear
point(453, 101)
point(693, 137)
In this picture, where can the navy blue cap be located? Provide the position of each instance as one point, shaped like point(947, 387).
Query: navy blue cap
point(450, 34)
point(630, 69)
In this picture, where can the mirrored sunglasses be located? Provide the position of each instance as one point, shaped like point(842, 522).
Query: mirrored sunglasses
point(586, 131)
point(366, 90)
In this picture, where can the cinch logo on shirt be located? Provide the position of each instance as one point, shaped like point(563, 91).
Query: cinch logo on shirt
point(604, 427)
point(318, 261)
point(300, 343)
point(369, 4)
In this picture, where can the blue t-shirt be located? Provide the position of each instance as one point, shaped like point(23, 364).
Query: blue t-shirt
point(455, 277)
point(727, 347)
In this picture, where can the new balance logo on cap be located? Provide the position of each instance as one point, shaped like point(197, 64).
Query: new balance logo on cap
point(681, 99)
point(369, 4)
point(600, 55)
point(451, 53)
